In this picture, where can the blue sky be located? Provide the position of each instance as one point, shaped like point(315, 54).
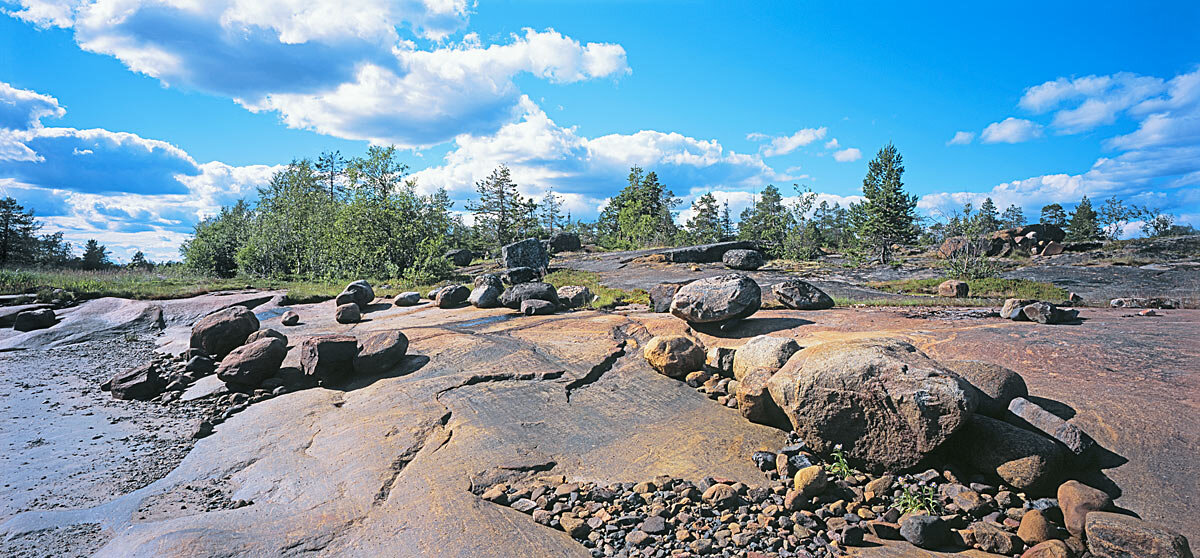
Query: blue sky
point(130, 120)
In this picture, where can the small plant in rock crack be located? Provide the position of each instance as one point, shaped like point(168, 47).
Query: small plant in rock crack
point(838, 466)
point(913, 499)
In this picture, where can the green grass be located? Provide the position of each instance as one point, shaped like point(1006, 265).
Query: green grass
point(172, 283)
point(992, 287)
point(606, 297)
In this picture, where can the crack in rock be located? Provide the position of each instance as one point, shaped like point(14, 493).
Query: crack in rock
point(409, 455)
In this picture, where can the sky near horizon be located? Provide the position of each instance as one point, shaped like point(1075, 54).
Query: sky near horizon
point(130, 120)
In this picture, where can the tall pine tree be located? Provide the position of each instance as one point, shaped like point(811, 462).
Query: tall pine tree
point(501, 211)
point(705, 225)
point(1084, 225)
point(888, 215)
point(1054, 214)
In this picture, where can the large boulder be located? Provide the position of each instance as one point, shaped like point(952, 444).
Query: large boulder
point(754, 398)
point(362, 291)
point(379, 352)
point(329, 358)
point(995, 386)
point(1047, 313)
point(883, 400)
point(290, 318)
point(526, 253)
point(408, 298)
point(1113, 535)
point(459, 257)
point(1014, 309)
point(1022, 459)
point(266, 334)
point(706, 253)
point(452, 296)
point(485, 296)
point(1077, 500)
point(142, 383)
point(746, 260)
point(518, 275)
point(575, 296)
point(224, 330)
point(31, 320)
point(661, 296)
point(717, 299)
point(489, 279)
point(247, 366)
point(763, 351)
point(674, 355)
point(564, 242)
point(515, 295)
point(800, 295)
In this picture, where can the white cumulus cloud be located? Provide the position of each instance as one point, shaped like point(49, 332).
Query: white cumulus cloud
point(1011, 130)
point(783, 145)
point(961, 138)
point(847, 155)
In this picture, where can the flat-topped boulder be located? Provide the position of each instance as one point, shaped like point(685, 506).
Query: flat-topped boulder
point(706, 253)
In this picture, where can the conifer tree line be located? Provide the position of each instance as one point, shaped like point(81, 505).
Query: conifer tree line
point(334, 217)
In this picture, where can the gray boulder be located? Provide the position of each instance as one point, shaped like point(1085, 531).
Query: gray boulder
point(459, 257)
point(800, 295)
point(994, 385)
point(290, 318)
point(515, 295)
point(746, 260)
point(884, 401)
point(536, 307)
point(348, 313)
point(1047, 313)
point(379, 352)
point(661, 296)
point(717, 299)
point(706, 253)
point(518, 275)
point(364, 295)
point(247, 366)
point(452, 296)
point(924, 531)
point(564, 242)
point(1031, 416)
point(329, 358)
point(409, 298)
point(489, 279)
point(224, 330)
point(432, 295)
point(526, 253)
point(764, 351)
point(31, 320)
point(1022, 459)
point(485, 296)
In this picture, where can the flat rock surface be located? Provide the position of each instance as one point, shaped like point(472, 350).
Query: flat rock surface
point(390, 465)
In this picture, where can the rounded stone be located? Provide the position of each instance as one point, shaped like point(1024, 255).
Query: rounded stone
point(674, 355)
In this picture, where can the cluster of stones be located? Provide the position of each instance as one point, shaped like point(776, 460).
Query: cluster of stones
point(24, 312)
point(1042, 239)
point(1026, 310)
point(816, 508)
point(794, 294)
point(353, 301)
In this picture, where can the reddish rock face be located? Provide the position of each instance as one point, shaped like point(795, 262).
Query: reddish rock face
point(220, 332)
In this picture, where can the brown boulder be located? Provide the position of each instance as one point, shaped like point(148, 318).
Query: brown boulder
point(347, 314)
point(250, 364)
point(1025, 460)
point(1077, 500)
point(763, 351)
point(329, 358)
point(1049, 549)
point(31, 320)
point(883, 400)
point(1111, 535)
point(266, 334)
point(452, 296)
point(674, 355)
point(379, 352)
point(1013, 307)
point(141, 383)
point(754, 399)
point(953, 288)
point(1035, 528)
point(224, 330)
point(1031, 416)
point(995, 386)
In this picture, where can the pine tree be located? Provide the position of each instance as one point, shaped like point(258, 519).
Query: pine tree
point(331, 166)
point(639, 215)
point(138, 261)
point(17, 230)
point(1053, 214)
point(1084, 225)
point(95, 256)
point(987, 220)
point(551, 211)
point(889, 213)
point(767, 220)
point(705, 225)
point(500, 211)
point(1012, 217)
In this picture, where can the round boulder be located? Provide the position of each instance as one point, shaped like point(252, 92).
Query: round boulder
point(348, 313)
point(746, 260)
point(490, 279)
point(763, 351)
point(290, 318)
point(224, 330)
point(801, 295)
point(485, 296)
point(459, 257)
point(379, 352)
point(564, 242)
point(575, 296)
point(452, 296)
point(717, 299)
point(1022, 459)
point(409, 298)
point(995, 386)
point(674, 355)
point(883, 400)
point(266, 334)
point(247, 366)
point(362, 291)
point(515, 295)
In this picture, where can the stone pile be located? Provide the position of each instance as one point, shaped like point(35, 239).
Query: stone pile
point(353, 301)
point(1038, 239)
point(1026, 310)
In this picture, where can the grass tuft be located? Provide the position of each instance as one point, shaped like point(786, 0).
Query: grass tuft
point(606, 297)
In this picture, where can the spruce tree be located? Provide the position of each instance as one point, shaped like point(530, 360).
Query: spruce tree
point(888, 213)
point(551, 211)
point(1012, 217)
point(640, 214)
point(95, 255)
point(705, 225)
point(17, 228)
point(767, 220)
point(727, 230)
point(500, 210)
point(1084, 225)
point(138, 261)
point(987, 220)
